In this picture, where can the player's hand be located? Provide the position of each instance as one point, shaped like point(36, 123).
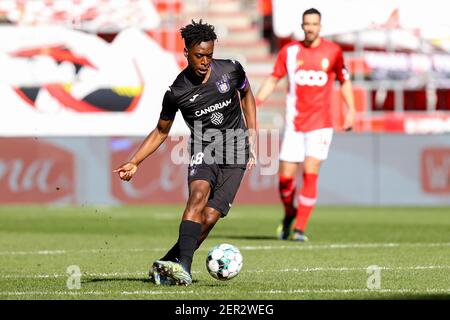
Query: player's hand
point(251, 161)
point(252, 156)
point(126, 171)
point(349, 120)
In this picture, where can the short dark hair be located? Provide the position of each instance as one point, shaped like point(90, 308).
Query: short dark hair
point(312, 11)
point(194, 33)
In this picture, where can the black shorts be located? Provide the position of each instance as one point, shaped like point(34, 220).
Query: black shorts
point(224, 182)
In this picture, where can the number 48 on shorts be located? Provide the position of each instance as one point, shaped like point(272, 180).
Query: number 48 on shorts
point(197, 159)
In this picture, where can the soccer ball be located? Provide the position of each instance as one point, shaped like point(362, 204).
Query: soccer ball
point(224, 261)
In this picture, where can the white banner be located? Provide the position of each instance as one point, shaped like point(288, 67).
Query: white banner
point(88, 15)
point(348, 16)
point(61, 82)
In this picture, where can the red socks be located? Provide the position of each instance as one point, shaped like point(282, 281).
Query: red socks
point(287, 192)
point(306, 200)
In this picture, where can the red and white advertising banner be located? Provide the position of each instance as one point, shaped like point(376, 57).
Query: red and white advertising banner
point(35, 171)
point(435, 168)
point(162, 178)
point(409, 123)
point(361, 169)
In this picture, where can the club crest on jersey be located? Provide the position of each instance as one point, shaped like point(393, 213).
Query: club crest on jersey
point(325, 63)
point(223, 85)
point(192, 170)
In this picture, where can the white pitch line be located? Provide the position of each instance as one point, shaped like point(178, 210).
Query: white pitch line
point(80, 293)
point(346, 246)
point(55, 252)
point(354, 291)
point(69, 293)
point(145, 274)
point(362, 268)
point(275, 292)
point(244, 248)
point(49, 276)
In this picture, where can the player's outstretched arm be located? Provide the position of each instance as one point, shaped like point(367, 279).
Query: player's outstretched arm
point(347, 95)
point(150, 145)
point(266, 89)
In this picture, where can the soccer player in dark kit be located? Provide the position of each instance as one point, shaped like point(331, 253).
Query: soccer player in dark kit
point(217, 104)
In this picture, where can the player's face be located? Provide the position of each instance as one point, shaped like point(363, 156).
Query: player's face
point(199, 57)
point(311, 27)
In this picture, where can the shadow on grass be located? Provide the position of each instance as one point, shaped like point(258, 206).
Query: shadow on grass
point(143, 280)
point(115, 279)
point(242, 237)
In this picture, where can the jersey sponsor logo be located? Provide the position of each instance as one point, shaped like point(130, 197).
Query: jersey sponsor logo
point(217, 118)
point(223, 85)
point(214, 107)
point(311, 78)
point(193, 97)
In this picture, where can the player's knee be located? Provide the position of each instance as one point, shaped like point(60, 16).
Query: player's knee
point(209, 219)
point(312, 165)
point(197, 197)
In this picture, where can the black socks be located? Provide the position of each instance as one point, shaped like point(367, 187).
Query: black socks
point(173, 254)
point(187, 242)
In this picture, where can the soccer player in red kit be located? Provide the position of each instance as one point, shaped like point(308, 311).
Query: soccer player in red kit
point(311, 65)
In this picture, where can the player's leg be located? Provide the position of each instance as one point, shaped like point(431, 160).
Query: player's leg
point(291, 155)
point(307, 197)
point(228, 182)
point(317, 145)
point(286, 188)
point(200, 179)
point(210, 216)
point(188, 237)
point(191, 224)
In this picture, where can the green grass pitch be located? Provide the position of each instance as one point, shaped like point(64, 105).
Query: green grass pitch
point(114, 247)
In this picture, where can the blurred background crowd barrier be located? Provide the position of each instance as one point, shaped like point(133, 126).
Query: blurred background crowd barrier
point(82, 81)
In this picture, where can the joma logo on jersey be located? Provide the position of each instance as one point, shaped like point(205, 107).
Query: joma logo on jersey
point(311, 78)
point(214, 107)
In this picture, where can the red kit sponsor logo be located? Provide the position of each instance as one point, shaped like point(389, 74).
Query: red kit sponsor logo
point(435, 167)
point(33, 171)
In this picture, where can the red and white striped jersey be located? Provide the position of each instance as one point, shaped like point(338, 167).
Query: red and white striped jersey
point(311, 73)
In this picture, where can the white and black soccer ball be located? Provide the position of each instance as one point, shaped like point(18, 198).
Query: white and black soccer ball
point(224, 261)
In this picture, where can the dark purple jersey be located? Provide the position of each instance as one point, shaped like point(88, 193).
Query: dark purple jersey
point(212, 111)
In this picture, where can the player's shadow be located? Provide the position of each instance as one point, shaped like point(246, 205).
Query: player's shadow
point(143, 280)
point(89, 280)
point(243, 237)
